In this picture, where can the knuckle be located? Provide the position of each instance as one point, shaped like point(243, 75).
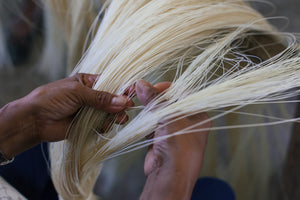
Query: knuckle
point(75, 87)
point(103, 98)
point(79, 77)
point(39, 92)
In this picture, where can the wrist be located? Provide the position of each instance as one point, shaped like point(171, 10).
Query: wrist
point(17, 128)
point(185, 160)
point(169, 181)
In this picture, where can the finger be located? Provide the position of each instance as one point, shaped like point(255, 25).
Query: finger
point(119, 118)
point(106, 126)
point(105, 101)
point(145, 91)
point(130, 91)
point(130, 103)
point(162, 86)
point(86, 79)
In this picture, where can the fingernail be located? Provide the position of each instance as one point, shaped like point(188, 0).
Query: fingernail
point(119, 101)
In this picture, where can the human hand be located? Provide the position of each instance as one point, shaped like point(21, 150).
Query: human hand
point(56, 104)
point(172, 165)
point(47, 112)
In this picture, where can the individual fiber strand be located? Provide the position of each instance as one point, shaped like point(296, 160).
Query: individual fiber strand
point(203, 42)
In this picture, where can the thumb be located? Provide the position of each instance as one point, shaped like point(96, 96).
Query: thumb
point(145, 91)
point(105, 101)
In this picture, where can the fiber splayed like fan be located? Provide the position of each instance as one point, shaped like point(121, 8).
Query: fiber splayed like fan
point(202, 41)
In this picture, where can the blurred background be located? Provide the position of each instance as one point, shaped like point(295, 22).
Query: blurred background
point(25, 64)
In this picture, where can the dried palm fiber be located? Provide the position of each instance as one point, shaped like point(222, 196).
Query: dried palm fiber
point(249, 158)
point(198, 39)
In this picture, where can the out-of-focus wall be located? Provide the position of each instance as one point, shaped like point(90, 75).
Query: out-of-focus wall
point(289, 9)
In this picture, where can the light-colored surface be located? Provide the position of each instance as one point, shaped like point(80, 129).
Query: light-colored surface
point(7, 192)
